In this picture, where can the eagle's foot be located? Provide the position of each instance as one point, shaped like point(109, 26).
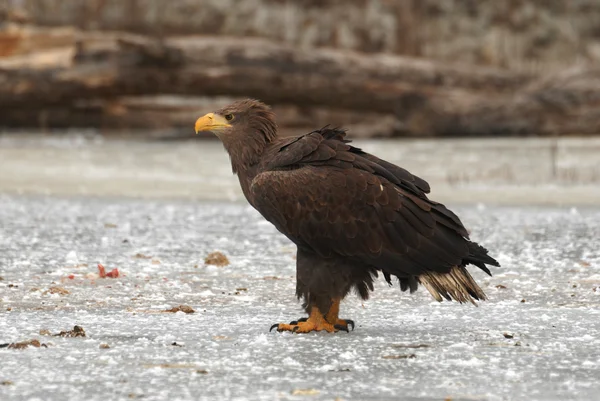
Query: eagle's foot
point(318, 321)
point(305, 327)
point(340, 325)
point(315, 322)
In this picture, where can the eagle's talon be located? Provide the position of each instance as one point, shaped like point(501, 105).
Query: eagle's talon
point(301, 320)
point(272, 327)
point(341, 327)
point(295, 329)
point(344, 324)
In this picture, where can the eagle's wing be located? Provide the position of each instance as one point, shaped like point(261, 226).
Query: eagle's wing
point(334, 199)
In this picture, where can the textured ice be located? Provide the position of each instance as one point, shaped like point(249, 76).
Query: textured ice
point(537, 338)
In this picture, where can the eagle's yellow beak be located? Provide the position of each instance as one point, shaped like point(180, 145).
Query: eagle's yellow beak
point(211, 122)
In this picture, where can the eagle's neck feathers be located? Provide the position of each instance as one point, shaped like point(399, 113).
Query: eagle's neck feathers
point(246, 150)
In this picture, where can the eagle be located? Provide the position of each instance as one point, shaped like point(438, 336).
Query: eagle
point(350, 214)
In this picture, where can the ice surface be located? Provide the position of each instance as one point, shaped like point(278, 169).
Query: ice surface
point(404, 346)
point(509, 171)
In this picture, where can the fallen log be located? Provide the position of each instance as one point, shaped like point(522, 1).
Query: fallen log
point(533, 35)
point(173, 116)
point(426, 98)
point(229, 66)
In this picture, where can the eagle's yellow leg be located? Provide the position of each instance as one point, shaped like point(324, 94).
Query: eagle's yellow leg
point(333, 318)
point(318, 322)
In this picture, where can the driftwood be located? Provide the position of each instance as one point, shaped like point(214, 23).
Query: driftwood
point(424, 97)
point(173, 116)
point(520, 35)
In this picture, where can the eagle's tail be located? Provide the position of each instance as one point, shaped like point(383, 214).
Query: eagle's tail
point(478, 256)
point(456, 285)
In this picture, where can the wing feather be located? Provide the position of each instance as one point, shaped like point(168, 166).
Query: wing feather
point(335, 199)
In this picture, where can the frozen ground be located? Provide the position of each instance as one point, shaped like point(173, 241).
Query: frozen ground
point(407, 347)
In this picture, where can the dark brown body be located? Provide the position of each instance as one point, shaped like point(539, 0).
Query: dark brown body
point(351, 215)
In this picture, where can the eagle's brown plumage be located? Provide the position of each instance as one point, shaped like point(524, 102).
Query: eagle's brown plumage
point(350, 214)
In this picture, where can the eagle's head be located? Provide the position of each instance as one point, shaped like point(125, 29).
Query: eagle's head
point(245, 127)
point(249, 118)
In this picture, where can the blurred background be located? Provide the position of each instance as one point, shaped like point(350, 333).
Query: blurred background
point(467, 94)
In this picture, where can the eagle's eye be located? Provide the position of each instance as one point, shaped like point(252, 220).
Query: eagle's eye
point(229, 117)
